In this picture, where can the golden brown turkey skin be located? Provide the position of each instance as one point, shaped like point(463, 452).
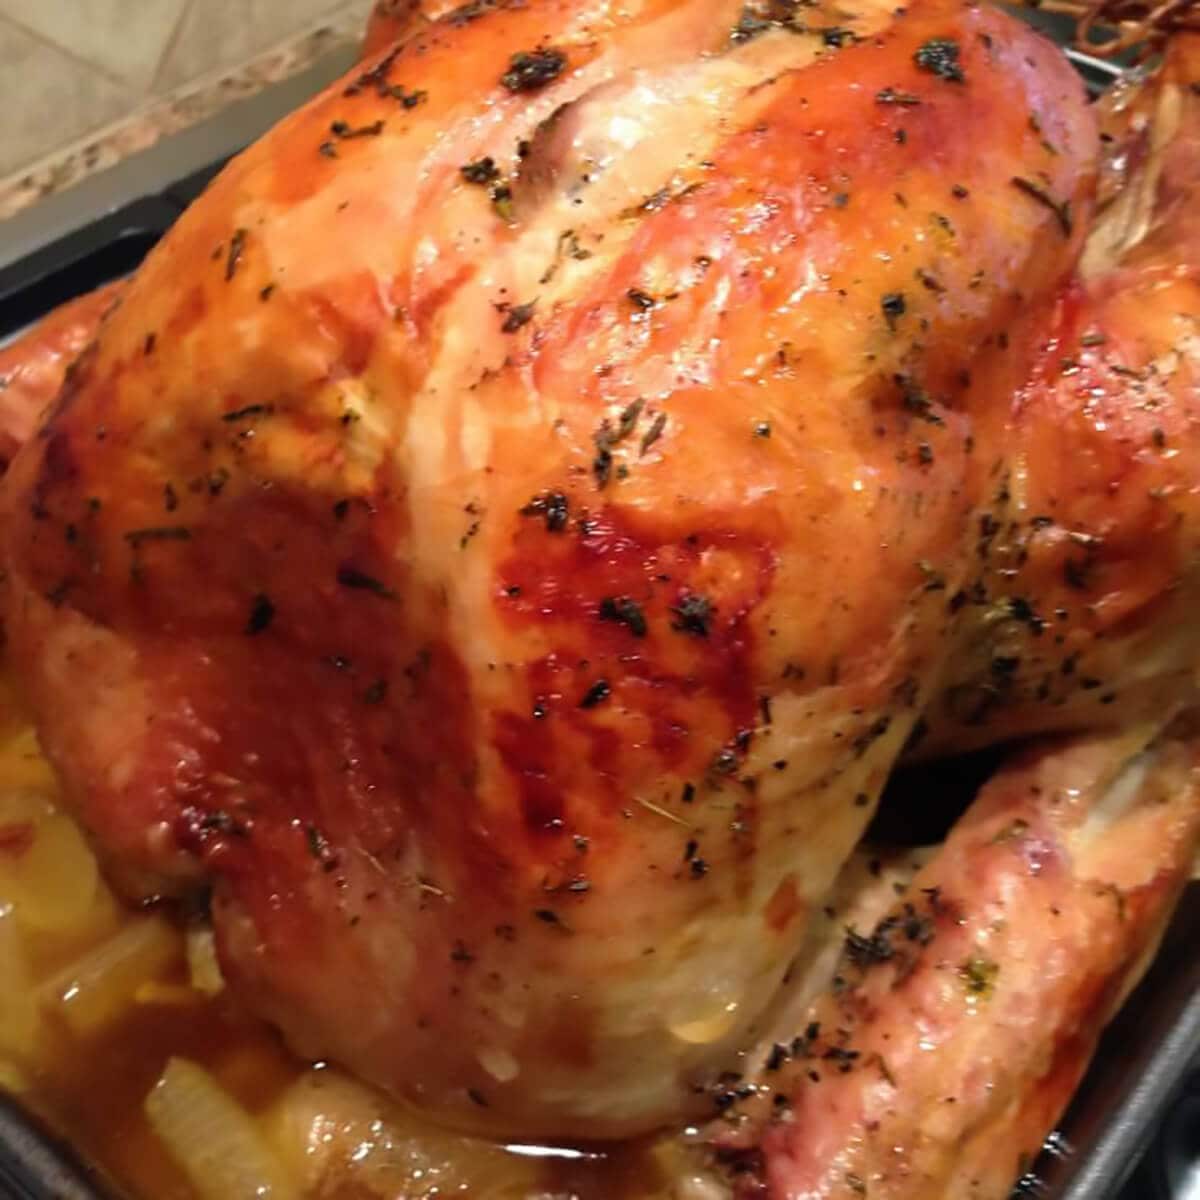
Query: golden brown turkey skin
point(1083, 608)
point(962, 1022)
point(33, 366)
point(492, 544)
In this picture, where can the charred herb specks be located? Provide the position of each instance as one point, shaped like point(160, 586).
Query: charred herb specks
point(692, 615)
point(236, 245)
point(893, 306)
point(596, 694)
point(939, 56)
point(1060, 209)
point(351, 577)
point(481, 171)
point(516, 316)
point(533, 69)
point(621, 610)
point(889, 95)
point(553, 506)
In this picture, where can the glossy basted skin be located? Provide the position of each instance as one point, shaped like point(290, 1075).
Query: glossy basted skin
point(966, 1017)
point(33, 365)
point(1084, 610)
point(511, 604)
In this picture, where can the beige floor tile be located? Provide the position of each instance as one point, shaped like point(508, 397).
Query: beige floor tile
point(126, 38)
point(48, 98)
point(225, 33)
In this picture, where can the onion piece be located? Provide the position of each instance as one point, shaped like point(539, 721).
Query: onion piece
point(212, 1138)
point(97, 987)
point(47, 871)
point(12, 1078)
point(335, 1133)
point(20, 1021)
point(23, 765)
point(204, 970)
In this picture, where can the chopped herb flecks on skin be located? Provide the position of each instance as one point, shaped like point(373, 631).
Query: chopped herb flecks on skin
point(692, 615)
point(376, 79)
point(236, 245)
point(894, 307)
point(482, 170)
point(836, 37)
point(351, 577)
point(318, 846)
point(979, 976)
point(553, 506)
point(161, 533)
point(251, 410)
point(623, 611)
point(501, 198)
point(516, 316)
point(1060, 209)
point(606, 437)
point(916, 400)
point(939, 57)
point(628, 420)
point(596, 694)
point(892, 96)
point(533, 69)
point(653, 433)
point(340, 129)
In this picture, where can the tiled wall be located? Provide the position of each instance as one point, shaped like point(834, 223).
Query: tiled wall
point(70, 67)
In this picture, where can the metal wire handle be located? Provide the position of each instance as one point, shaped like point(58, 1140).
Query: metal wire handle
point(1107, 28)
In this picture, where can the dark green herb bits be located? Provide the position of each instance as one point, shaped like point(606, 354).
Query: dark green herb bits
point(596, 694)
point(1060, 209)
point(347, 132)
point(894, 307)
point(653, 433)
point(250, 410)
point(482, 170)
point(517, 316)
point(553, 506)
point(939, 56)
point(356, 580)
point(158, 533)
point(692, 615)
point(916, 400)
point(889, 95)
point(236, 245)
point(533, 69)
point(836, 37)
point(621, 610)
point(979, 976)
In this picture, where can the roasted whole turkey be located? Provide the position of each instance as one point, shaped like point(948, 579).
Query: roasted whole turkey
point(501, 542)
